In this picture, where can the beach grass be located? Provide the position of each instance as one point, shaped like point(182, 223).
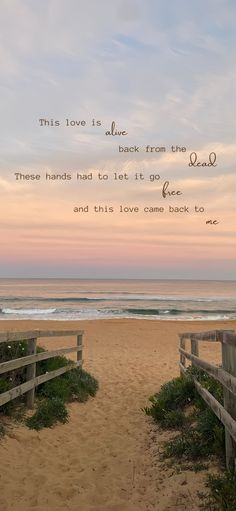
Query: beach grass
point(49, 412)
point(222, 496)
point(52, 396)
point(200, 433)
point(168, 404)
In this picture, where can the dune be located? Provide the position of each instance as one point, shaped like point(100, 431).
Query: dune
point(107, 457)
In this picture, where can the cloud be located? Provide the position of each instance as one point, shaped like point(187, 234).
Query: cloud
point(164, 75)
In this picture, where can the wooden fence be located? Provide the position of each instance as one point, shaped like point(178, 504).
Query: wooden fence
point(225, 374)
point(31, 359)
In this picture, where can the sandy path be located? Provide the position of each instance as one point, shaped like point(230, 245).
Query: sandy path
point(105, 458)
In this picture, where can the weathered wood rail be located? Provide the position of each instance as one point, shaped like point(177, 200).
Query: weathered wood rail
point(31, 359)
point(225, 374)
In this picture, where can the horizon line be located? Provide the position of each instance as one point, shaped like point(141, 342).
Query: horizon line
point(121, 278)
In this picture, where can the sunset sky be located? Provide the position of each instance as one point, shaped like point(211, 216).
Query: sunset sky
point(165, 73)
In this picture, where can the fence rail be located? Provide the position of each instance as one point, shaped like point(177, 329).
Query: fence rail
point(225, 374)
point(31, 359)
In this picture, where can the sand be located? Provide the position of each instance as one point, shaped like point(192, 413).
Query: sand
point(107, 457)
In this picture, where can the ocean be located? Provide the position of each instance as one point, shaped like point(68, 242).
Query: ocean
point(78, 299)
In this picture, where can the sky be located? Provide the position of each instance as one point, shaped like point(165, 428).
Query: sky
point(164, 73)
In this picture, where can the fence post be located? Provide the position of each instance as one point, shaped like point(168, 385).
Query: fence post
point(79, 353)
point(182, 344)
point(194, 347)
point(31, 373)
point(229, 365)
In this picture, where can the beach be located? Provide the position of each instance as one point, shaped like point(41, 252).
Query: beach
point(106, 458)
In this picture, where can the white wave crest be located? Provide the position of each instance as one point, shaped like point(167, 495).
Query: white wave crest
point(30, 312)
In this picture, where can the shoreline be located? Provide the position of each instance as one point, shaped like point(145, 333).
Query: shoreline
point(121, 319)
point(104, 320)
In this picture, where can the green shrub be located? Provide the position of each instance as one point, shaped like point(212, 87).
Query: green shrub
point(212, 430)
point(75, 384)
point(11, 350)
point(173, 395)
point(206, 434)
point(51, 364)
point(6, 385)
point(57, 387)
point(189, 445)
point(222, 492)
point(175, 419)
point(209, 383)
point(205, 438)
point(80, 381)
point(49, 412)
